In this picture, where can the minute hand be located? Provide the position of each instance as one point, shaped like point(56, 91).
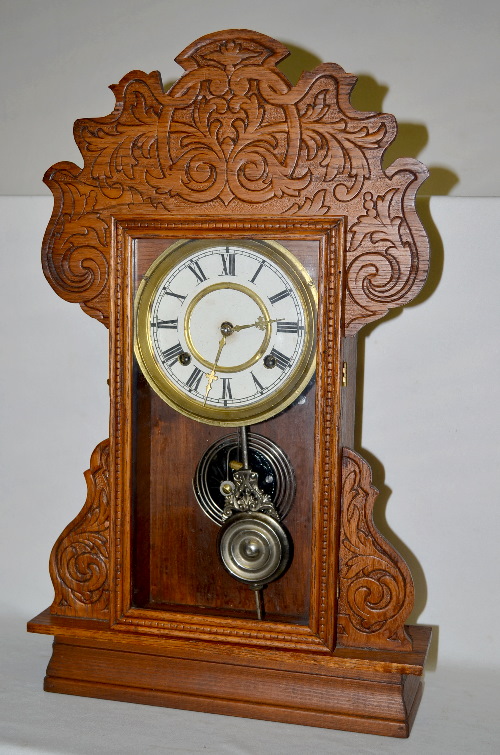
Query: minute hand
point(261, 323)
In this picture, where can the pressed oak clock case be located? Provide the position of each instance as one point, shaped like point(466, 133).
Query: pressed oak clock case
point(234, 234)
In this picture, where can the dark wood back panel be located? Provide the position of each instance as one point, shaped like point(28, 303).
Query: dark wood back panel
point(175, 563)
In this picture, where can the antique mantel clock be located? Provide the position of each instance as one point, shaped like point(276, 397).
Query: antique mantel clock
point(234, 234)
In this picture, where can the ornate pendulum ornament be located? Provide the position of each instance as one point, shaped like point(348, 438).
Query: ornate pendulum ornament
point(254, 547)
point(243, 494)
point(215, 481)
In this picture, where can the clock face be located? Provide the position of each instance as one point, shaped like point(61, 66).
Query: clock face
point(225, 330)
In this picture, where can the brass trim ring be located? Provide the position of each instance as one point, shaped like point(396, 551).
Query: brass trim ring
point(187, 327)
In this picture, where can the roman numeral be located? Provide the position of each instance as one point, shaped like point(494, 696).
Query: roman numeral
point(281, 295)
point(171, 293)
point(197, 271)
point(252, 280)
point(228, 263)
point(171, 354)
point(258, 385)
point(281, 360)
point(226, 390)
point(194, 379)
point(287, 327)
point(165, 324)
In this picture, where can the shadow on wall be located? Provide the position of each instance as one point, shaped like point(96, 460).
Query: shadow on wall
point(410, 141)
point(368, 95)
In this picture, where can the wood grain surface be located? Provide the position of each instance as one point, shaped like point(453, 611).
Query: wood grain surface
point(142, 610)
point(232, 138)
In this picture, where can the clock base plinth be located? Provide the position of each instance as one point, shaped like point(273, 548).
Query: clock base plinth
point(373, 692)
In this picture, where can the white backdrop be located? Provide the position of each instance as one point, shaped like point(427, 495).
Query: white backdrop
point(430, 420)
point(436, 61)
point(429, 375)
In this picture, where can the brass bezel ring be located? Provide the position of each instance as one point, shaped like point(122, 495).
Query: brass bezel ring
point(254, 413)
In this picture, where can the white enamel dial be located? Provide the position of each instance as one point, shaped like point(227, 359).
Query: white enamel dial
point(225, 329)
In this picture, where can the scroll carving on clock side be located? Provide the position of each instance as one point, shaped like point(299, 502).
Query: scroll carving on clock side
point(76, 246)
point(79, 562)
point(234, 135)
point(375, 586)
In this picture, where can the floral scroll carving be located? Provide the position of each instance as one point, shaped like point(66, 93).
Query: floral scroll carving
point(229, 131)
point(375, 586)
point(79, 558)
point(233, 136)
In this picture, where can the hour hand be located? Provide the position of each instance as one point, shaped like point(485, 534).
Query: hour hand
point(261, 323)
point(211, 376)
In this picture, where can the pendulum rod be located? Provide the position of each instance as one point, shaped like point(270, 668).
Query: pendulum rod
point(259, 595)
point(259, 603)
point(244, 446)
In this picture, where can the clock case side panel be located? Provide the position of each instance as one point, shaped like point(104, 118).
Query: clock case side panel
point(79, 561)
point(376, 592)
point(319, 635)
point(375, 587)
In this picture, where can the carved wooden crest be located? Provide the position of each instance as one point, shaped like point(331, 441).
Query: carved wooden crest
point(232, 136)
point(234, 151)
